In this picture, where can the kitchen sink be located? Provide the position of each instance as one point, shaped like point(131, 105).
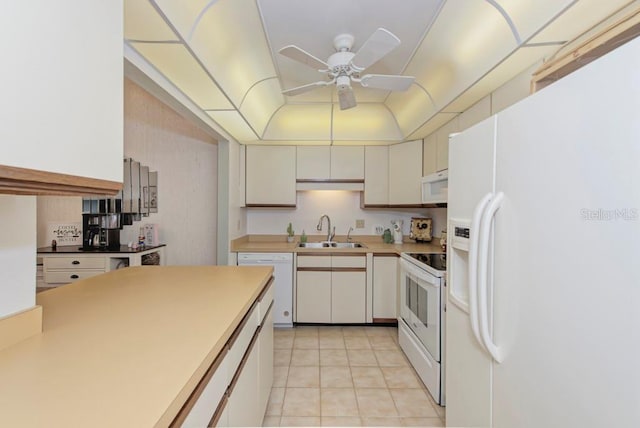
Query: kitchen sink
point(326, 244)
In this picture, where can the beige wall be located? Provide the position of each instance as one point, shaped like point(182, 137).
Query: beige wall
point(186, 160)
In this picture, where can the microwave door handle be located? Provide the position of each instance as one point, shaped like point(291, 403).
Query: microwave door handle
point(483, 263)
point(473, 265)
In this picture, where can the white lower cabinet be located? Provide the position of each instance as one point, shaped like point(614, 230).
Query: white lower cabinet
point(265, 369)
point(243, 407)
point(385, 287)
point(314, 297)
point(235, 390)
point(331, 289)
point(348, 297)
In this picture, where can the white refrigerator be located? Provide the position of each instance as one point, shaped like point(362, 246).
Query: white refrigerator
point(543, 310)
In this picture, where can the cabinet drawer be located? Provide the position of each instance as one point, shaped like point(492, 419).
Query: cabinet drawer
point(210, 394)
point(265, 302)
point(61, 277)
point(74, 263)
point(314, 261)
point(349, 261)
point(241, 339)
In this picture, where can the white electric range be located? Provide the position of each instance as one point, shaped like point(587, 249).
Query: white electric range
point(422, 317)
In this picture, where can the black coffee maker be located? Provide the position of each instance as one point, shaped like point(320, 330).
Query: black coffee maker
point(101, 231)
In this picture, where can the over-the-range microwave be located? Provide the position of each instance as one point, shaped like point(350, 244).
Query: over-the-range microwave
point(435, 187)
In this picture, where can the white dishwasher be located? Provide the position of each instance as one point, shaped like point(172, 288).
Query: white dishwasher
point(283, 275)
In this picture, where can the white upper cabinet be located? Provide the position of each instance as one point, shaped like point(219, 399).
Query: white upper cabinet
point(271, 175)
point(62, 97)
point(330, 163)
point(429, 156)
point(313, 162)
point(347, 162)
point(376, 176)
point(405, 172)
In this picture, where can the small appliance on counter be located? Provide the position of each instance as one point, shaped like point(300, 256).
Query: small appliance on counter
point(101, 231)
point(421, 229)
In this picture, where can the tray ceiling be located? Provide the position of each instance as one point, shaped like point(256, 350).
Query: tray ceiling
point(222, 57)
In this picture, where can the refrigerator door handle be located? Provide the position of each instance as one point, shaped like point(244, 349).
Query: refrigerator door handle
point(483, 260)
point(473, 265)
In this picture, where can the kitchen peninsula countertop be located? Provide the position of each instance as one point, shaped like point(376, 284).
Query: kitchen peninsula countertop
point(373, 244)
point(125, 348)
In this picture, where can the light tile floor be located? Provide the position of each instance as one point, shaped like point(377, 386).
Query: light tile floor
point(346, 376)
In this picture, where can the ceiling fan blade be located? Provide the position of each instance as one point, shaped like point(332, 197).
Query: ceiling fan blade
point(304, 88)
point(380, 43)
point(297, 54)
point(388, 82)
point(346, 98)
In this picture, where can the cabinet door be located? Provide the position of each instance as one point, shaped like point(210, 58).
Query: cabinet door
point(78, 106)
point(265, 370)
point(313, 296)
point(405, 172)
point(429, 155)
point(271, 176)
point(442, 153)
point(376, 176)
point(313, 163)
point(385, 286)
point(243, 409)
point(348, 297)
point(347, 162)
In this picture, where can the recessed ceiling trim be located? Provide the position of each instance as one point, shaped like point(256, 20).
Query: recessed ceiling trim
point(333, 106)
point(521, 46)
point(252, 86)
point(508, 19)
point(270, 119)
point(138, 69)
point(199, 18)
point(418, 45)
point(157, 42)
point(539, 44)
point(426, 91)
point(395, 119)
point(197, 59)
point(268, 39)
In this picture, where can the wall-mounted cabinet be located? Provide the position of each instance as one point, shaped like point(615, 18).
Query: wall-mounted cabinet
point(270, 176)
point(347, 162)
point(322, 163)
point(313, 163)
point(435, 150)
point(70, 141)
point(405, 172)
point(376, 177)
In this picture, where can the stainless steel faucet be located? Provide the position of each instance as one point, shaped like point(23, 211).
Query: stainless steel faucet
point(330, 234)
point(349, 234)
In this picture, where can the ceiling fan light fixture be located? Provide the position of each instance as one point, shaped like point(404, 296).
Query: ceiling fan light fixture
point(343, 83)
point(346, 98)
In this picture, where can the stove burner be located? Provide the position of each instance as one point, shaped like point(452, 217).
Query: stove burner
point(435, 260)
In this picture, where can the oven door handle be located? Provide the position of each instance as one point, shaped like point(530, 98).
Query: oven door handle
point(483, 264)
point(419, 275)
point(474, 238)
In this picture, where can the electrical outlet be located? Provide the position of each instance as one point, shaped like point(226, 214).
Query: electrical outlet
point(360, 224)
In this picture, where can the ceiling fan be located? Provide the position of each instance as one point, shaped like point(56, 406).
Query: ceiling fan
point(344, 66)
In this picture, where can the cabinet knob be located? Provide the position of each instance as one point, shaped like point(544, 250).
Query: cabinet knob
point(74, 276)
point(75, 262)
